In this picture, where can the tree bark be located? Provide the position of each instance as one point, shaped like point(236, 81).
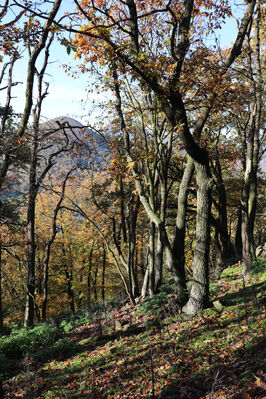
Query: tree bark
point(1, 307)
point(103, 273)
point(199, 293)
point(31, 246)
point(227, 252)
point(158, 277)
point(179, 238)
point(152, 260)
point(89, 276)
point(70, 292)
point(48, 250)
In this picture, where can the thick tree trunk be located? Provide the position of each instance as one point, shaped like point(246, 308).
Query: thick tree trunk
point(180, 282)
point(199, 293)
point(228, 251)
point(179, 238)
point(249, 173)
point(258, 86)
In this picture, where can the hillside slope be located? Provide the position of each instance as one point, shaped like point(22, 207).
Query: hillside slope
point(152, 351)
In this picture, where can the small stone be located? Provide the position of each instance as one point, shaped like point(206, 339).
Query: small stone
point(218, 306)
point(118, 325)
point(126, 327)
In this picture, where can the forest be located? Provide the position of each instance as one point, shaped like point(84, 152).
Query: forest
point(146, 223)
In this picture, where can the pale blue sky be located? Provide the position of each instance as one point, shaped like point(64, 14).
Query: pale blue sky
point(66, 93)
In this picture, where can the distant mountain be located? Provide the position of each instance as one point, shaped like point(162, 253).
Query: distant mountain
point(69, 144)
point(86, 147)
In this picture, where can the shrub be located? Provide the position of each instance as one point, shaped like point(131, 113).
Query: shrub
point(160, 304)
point(25, 340)
point(8, 367)
point(81, 318)
point(60, 350)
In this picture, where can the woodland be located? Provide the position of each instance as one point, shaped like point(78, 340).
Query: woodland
point(132, 249)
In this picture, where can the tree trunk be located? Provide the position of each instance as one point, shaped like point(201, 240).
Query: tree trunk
point(228, 251)
point(145, 283)
point(133, 209)
point(258, 90)
point(30, 296)
point(249, 173)
point(158, 277)
point(103, 273)
point(238, 239)
point(1, 308)
point(180, 282)
point(152, 260)
point(89, 276)
point(95, 284)
point(48, 250)
point(199, 293)
point(179, 238)
point(69, 278)
point(70, 292)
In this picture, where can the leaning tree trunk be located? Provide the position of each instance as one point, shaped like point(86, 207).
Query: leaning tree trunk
point(199, 293)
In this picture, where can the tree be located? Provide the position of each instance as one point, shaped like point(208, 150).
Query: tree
point(161, 67)
point(9, 31)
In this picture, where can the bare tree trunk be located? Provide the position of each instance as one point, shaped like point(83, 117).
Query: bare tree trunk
point(103, 273)
point(238, 239)
point(199, 293)
point(258, 89)
point(48, 250)
point(31, 247)
point(249, 173)
point(95, 284)
point(89, 276)
point(133, 209)
point(1, 307)
point(70, 292)
point(152, 260)
point(179, 238)
point(228, 251)
point(158, 277)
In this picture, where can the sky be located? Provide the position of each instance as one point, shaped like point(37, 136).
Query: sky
point(67, 95)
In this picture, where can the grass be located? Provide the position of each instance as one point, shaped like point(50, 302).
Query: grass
point(212, 355)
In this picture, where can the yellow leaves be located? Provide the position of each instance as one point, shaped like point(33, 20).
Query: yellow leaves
point(130, 164)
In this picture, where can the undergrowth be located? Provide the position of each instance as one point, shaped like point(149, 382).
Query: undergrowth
point(214, 355)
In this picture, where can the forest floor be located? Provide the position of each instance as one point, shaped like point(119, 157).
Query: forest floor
point(152, 351)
